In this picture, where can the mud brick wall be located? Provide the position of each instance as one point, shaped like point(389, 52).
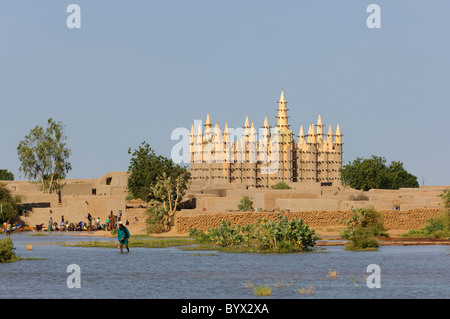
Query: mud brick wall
point(393, 220)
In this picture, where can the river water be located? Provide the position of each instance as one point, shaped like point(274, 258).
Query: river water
point(167, 273)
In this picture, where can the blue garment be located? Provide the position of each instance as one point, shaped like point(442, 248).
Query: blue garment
point(123, 233)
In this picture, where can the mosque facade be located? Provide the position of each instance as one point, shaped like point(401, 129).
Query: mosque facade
point(264, 158)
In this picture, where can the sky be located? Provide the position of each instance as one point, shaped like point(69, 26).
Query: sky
point(136, 70)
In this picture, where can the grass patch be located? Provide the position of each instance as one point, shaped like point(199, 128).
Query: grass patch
point(333, 274)
point(251, 249)
point(139, 242)
point(282, 284)
point(262, 290)
point(249, 285)
point(357, 280)
point(200, 254)
point(304, 291)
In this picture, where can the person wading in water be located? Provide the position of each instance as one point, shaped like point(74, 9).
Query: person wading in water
point(122, 236)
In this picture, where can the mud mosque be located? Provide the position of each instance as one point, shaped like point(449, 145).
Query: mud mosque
point(265, 159)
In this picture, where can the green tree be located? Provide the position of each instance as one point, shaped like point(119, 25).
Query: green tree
point(168, 192)
point(8, 205)
point(6, 175)
point(371, 173)
point(398, 177)
point(145, 168)
point(44, 155)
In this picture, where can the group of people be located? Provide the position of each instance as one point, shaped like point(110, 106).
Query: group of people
point(8, 228)
point(112, 222)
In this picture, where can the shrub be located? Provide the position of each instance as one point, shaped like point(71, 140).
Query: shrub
point(224, 235)
point(438, 227)
point(446, 198)
point(247, 233)
point(157, 219)
point(281, 235)
point(7, 250)
point(364, 218)
point(362, 227)
point(362, 239)
point(281, 185)
point(200, 236)
point(434, 225)
point(245, 204)
point(284, 235)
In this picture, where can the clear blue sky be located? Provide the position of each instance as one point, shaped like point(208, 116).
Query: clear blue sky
point(136, 70)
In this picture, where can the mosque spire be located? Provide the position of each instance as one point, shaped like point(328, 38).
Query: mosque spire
point(330, 134)
point(247, 123)
point(208, 128)
point(301, 136)
point(266, 122)
point(282, 117)
point(208, 121)
point(338, 135)
point(311, 134)
point(199, 130)
point(282, 99)
point(319, 126)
